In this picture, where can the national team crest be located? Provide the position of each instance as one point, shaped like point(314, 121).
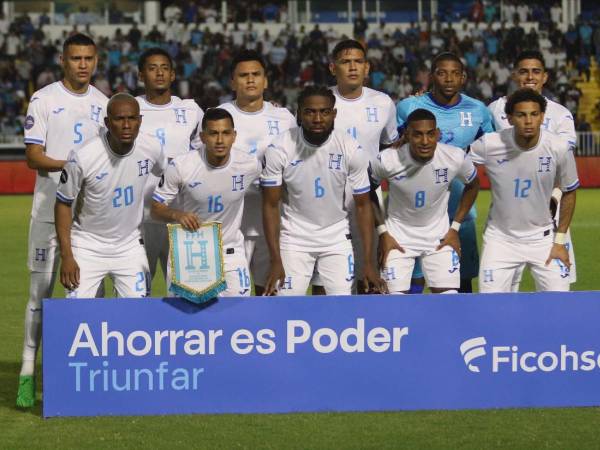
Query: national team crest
point(196, 260)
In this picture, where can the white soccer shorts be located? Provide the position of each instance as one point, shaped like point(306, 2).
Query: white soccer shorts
point(128, 269)
point(257, 255)
point(441, 268)
point(156, 242)
point(335, 267)
point(42, 254)
point(501, 260)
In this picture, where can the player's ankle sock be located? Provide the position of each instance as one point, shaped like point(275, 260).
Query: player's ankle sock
point(26, 392)
point(28, 367)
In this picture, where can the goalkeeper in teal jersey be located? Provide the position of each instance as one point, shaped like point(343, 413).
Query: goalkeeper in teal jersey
point(461, 120)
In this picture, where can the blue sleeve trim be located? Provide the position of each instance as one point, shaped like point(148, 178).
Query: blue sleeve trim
point(571, 187)
point(30, 140)
point(361, 190)
point(269, 183)
point(472, 176)
point(63, 199)
point(158, 198)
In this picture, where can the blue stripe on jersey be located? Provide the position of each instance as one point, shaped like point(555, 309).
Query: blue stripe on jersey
point(63, 199)
point(269, 183)
point(571, 187)
point(361, 190)
point(30, 140)
point(158, 198)
point(472, 176)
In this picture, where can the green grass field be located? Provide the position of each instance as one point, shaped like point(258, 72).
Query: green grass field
point(529, 428)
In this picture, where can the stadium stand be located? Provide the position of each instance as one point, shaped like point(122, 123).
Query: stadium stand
point(485, 35)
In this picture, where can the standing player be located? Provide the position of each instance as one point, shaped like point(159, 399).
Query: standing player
point(417, 225)
point(176, 124)
point(461, 119)
point(523, 165)
point(212, 182)
point(106, 179)
point(530, 72)
point(61, 116)
point(257, 123)
point(312, 166)
point(369, 116)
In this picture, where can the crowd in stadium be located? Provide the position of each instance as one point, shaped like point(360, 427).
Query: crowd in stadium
point(399, 60)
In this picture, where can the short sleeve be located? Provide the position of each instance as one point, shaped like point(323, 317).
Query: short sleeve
point(401, 115)
point(566, 128)
point(71, 180)
point(376, 170)
point(477, 152)
point(36, 122)
point(487, 124)
point(567, 171)
point(390, 133)
point(160, 163)
point(169, 189)
point(467, 171)
point(275, 161)
point(358, 168)
point(195, 142)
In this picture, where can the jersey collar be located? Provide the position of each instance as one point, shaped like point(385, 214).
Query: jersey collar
point(460, 97)
point(64, 88)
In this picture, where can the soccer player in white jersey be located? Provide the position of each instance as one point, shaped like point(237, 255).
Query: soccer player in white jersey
point(369, 116)
point(530, 72)
point(60, 117)
point(176, 124)
point(523, 164)
point(309, 168)
point(106, 179)
point(211, 183)
point(417, 226)
point(257, 123)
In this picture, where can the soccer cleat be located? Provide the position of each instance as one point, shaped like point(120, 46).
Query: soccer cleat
point(26, 393)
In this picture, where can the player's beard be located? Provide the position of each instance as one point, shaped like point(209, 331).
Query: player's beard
point(317, 138)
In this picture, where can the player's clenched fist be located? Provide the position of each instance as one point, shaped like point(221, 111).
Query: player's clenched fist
point(188, 220)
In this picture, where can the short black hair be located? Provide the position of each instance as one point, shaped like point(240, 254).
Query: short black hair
point(530, 54)
point(78, 39)
point(247, 55)
point(524, 95)
point(152, 52)
point(420, 114)
point(346, 44)
point(316, 90)
point(214, 114)
point(446, 56)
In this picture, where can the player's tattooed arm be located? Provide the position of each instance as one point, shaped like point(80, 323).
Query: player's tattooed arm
point(271, 225)
point(69, 269)
point(364, 217)
point(188, 220)
point(567, 208)
point(467, 200)
point(38, 160)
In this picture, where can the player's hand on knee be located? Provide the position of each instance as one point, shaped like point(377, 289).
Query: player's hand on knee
point(189, 220)
point(69, 273)
point(374, 284)
point(452, 239)
point(275, 279)
point(560, 252)
point(386, 244)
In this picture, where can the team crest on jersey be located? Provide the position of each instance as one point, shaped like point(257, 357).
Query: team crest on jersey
point(29, 122)
point(335, 161)
point(441, 175)
point(95, 113)
point(64, 177)
point(180, 115)
point(273, 127)
point(466, 119)
point(544, 163)
point(143, 167)
point(371, 114)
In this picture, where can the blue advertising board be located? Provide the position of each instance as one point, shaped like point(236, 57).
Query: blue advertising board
point(363, 353)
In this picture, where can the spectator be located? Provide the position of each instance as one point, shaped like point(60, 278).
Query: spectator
point(359, 27)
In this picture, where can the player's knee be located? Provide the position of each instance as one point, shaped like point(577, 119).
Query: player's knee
point(40, 287)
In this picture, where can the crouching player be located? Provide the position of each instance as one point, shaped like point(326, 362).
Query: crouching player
point(523, 164)
point(417, 226)
point(106, 179)
point(211, 183)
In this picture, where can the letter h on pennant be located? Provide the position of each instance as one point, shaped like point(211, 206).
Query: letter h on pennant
point(190, 255)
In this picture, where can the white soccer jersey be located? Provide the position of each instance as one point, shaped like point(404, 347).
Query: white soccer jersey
point(417, 213)
point(254, 132)
point(557, 118)
point(370, 119)
point(522, 182)
point(177, 126)
point(314, 179)
point(215, 194)
point(60, 121)
point(108, 191)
